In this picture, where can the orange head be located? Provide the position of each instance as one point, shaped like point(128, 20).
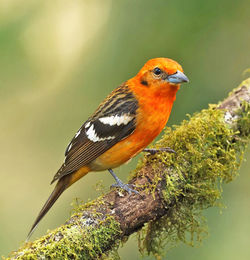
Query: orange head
point(161, 72)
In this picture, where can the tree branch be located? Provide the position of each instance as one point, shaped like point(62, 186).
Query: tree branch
point(174, 188)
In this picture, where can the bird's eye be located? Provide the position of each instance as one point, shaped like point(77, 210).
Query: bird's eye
point(157, 71)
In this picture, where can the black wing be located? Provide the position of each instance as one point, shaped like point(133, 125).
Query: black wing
point(114, 120)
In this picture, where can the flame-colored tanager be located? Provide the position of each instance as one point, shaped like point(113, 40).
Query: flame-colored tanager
point(122, 126)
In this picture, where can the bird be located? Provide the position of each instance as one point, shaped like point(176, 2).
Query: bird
point(122, 126)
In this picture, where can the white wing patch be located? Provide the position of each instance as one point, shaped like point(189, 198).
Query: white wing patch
point(69, 147)
point(116, 120)
point(79, 131)
point(70, 144)
point(91, 134)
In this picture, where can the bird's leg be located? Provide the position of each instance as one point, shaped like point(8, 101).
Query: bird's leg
point(153, 151)
point(120, 184)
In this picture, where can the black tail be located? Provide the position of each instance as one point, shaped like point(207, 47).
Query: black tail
point(60, 187)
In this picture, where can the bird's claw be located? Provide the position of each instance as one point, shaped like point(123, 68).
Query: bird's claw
point(153, 151)
point(126, 187)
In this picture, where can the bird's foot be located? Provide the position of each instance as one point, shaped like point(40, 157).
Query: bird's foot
point(120, 184)
point(153, 151)
point(124, 186)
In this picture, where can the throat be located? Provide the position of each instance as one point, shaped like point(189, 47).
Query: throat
point(166, 94)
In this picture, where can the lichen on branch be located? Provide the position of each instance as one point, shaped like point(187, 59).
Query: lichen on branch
point(174, 188)
point(207, 155)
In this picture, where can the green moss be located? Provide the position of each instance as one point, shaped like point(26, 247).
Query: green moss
point(70, 242)
point(244, 122)
point(208, 153)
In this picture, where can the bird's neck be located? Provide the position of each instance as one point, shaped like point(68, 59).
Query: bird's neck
point(157, 95)
point(165, 92)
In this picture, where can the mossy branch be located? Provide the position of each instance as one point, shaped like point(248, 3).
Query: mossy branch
point(174, 189)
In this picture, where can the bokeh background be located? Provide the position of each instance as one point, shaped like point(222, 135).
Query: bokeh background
point(59, 59)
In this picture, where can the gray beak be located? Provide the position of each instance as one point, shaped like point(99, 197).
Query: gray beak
point(178, 77)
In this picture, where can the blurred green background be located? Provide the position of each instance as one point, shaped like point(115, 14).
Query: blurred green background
point(59, 59)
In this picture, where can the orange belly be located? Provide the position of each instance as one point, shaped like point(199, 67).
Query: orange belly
point(147, 130)
point(120, 153)
point(152, 116)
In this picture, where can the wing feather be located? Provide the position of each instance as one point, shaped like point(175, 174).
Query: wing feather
point(82, 150)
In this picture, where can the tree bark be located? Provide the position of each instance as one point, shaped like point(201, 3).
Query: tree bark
point(164, 181)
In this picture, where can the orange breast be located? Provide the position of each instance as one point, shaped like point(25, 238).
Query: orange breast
point(153, 114)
